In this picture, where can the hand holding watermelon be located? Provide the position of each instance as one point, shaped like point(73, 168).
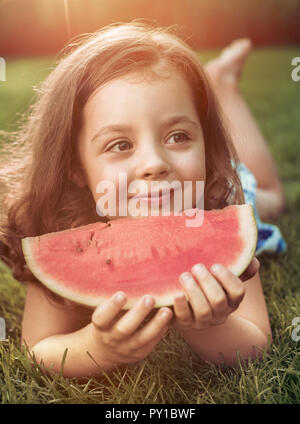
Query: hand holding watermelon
point(89, 264)
point(210, 297)
point(120, 339)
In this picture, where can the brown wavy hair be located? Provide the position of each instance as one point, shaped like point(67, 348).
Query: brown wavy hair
point(37, 161)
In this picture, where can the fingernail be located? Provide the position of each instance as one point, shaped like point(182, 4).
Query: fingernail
point(200, 268)
point(149, 302)
point(185, 276)
point(120, 297)
point(165, 315)
point(180, 297)
point(216, 268)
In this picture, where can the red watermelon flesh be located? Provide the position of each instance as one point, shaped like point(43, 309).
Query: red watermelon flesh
point(139, 256)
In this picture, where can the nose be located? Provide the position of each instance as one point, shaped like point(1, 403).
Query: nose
point(152, 162)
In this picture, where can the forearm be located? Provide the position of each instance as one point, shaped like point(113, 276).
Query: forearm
point(77, 363)
point(221, 342)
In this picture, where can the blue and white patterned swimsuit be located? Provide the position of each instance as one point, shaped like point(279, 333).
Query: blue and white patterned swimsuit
point(269, 236)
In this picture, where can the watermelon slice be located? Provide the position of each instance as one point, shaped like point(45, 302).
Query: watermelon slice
point(139, 256)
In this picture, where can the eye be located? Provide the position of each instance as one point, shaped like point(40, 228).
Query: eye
point(179, 137)
point(121, 145)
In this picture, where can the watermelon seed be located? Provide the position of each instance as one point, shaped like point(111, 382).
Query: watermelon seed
point(108, 261)
point(79, 249)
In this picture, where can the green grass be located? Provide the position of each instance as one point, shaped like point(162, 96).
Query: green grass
point(172, 373)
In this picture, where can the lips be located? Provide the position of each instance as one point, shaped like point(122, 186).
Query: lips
point(154, 195)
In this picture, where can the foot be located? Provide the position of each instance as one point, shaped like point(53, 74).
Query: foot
point(227, 68)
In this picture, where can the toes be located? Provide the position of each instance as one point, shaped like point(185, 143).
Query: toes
point(237, 48)
point(246, 41)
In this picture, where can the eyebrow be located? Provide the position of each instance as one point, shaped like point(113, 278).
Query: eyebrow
point(123, 127)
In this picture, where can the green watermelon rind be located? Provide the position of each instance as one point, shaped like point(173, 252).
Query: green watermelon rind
point(250, 235)
point(248, 232)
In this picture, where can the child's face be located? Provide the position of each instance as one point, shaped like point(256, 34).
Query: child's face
point(147, 129)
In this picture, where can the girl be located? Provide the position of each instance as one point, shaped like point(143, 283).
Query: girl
point(132, 98)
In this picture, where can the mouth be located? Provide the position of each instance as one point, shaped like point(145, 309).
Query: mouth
point(156, 198)
point(155, 195)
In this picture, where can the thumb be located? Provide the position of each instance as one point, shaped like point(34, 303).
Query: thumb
point(251, 270)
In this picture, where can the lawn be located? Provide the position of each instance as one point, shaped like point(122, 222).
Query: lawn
point(172, 373)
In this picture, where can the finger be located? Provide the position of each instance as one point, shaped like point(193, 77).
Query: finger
point(148, 348)
point(160, 336)
point(183, 311)
point(212, 290)
point(200, 306)
point(233, 286)
point(251, 270)
point(154, 329)
point(104, 315)
point(129, 323)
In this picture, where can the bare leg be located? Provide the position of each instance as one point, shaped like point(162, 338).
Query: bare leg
point(224, 73)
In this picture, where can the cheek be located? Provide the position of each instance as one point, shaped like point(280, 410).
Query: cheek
point(107, 179)
point(192, 167)
point(196, 171)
